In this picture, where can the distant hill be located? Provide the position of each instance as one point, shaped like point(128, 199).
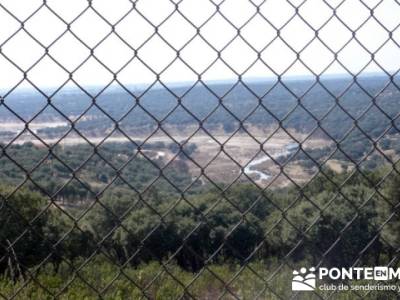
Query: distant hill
point(260, 103)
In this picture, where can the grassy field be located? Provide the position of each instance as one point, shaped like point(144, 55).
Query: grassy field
point(100, 280)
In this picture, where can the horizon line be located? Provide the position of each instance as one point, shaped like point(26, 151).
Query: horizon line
point(177, 84)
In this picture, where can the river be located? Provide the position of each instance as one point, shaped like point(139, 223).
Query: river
point(250, 168)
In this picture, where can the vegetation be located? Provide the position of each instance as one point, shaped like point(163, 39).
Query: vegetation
point(120, 221)
point(336, 102)
point(280, 99)
point(77, 255)
point(81, 171)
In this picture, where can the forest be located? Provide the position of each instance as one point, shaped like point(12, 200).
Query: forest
point(81, 171)
point(299, 104)
point(351, 112)
point(122, 221)
point(81, 239)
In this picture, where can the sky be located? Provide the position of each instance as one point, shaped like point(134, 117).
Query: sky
point(257, 52)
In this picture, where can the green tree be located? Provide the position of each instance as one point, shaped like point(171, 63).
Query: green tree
point(22, 220)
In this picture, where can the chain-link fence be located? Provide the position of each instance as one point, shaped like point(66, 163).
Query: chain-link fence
point(197, 149)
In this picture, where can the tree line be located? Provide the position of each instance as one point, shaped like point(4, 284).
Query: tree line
point(236, 226)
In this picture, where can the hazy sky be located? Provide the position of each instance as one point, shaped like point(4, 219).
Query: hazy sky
point(177, 31)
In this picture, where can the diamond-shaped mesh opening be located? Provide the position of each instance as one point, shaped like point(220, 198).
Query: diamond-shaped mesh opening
point(197, 149)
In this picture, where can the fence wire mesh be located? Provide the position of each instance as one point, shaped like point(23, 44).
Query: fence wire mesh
point(317, 202)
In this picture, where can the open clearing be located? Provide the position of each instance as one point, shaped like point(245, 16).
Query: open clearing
point(222, 157)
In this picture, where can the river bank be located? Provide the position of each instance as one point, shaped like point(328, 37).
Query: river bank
point(250, 169)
